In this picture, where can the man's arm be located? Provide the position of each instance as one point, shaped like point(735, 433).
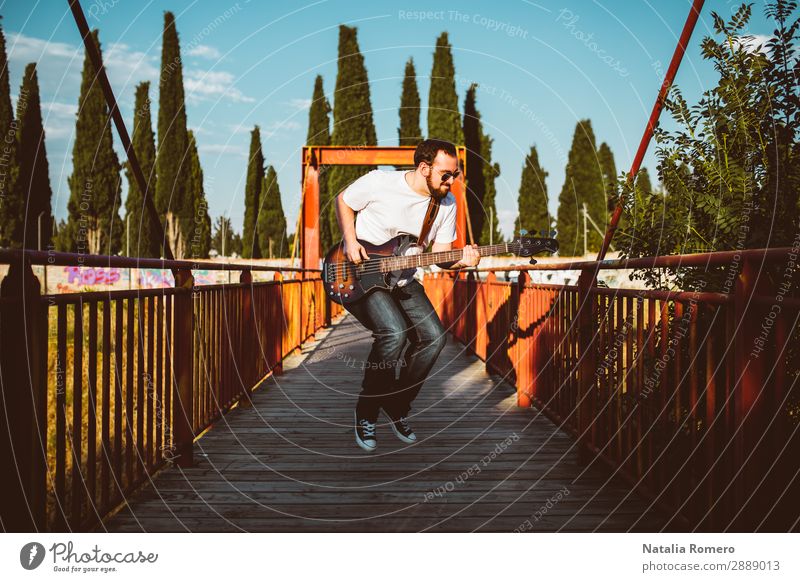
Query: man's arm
point(469, 258)
point(347, 224)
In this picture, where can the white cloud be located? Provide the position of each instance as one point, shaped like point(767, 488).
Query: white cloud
point(204, 51)
point(60, 64)
point(59, 119)
point(127, 67)
point(277, 128)
point(751, 42)
point(223, 149)
point(212, 85)
point(299, 104)
point(201, 130)
point(239, 129)
point(27, 48)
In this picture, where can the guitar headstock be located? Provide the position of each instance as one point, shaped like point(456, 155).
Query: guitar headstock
point(527, 246)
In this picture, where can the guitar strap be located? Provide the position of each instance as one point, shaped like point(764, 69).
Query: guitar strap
point(430, 216)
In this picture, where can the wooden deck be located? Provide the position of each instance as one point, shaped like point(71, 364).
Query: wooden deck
point(290, 463)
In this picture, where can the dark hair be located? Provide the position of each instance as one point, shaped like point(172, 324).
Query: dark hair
point(427, 150)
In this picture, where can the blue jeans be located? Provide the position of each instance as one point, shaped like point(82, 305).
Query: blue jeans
point(395, 317)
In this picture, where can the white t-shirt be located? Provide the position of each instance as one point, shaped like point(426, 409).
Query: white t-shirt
point(387, 206)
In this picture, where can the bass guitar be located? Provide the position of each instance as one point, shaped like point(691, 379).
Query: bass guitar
point(398, 258)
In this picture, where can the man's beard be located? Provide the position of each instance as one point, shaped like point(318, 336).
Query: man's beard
point(436, 192)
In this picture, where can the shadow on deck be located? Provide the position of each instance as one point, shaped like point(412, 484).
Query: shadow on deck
point(290, 463)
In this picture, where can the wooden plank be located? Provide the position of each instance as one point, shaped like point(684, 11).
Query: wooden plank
point(61, 420)
point(151, 389)
point(158, 388)
point(77, 485)
point(140, 407)
point(105, 415)
point(129, 390)
point(289, 462)
point(118, 399)
point(91, 428)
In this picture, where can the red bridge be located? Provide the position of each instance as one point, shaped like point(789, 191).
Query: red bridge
point(553, 407)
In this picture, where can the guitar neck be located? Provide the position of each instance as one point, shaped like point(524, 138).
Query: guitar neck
point(426, 259)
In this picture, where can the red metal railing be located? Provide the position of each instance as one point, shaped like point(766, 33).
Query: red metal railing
point(103, 389)
point(691, 397)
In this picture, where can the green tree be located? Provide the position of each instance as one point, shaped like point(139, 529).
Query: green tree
point(352, 115)
point(444, 120)
point(583, 184)
point(481, 174)
point(173, 201)
point(223, 232)
point(60, 236)
point(145, 239)
point(33, 181)
point(409, 133)
point(490, 233)
point(10, 205)
point(609, 169)
point(236, 244)
point(731, 168)
point(533, 213)
point(93, 224)
point(252, 197)
point(319, 133)
point(475, 181)
point(643, 183)
point(200, 228)
point(271, 220)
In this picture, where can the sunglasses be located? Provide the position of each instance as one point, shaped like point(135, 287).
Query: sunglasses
point(447, 175)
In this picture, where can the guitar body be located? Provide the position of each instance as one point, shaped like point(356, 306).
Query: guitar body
point(399, 258)
point(346, 282)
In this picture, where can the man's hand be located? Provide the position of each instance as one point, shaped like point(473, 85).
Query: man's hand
point(471, 256)
point(354, 251)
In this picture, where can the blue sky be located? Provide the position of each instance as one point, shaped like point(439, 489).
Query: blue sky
point(541, 67)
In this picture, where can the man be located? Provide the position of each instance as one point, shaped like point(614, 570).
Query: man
point(390, 203)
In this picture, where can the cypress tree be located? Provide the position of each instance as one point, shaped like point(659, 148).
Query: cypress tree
point(200, 227)
point(583, 183)
point(252, 197)
point(475, 181)
point(172, 199)
point(319, 133)
point(319, 130)
point(271, 220)
point(444, 120)
point(491, 171)
point(93, 224)
point(223, 229)
point(144, 237)
point(10, 205)
point(352, 115)
point(533, 213)
point(609, 170)
point(33, 181)
point(409, 132)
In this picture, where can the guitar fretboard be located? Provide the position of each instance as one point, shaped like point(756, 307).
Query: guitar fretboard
point(425, 259)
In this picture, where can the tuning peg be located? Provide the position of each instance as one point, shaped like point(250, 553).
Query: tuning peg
point(523, 232)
